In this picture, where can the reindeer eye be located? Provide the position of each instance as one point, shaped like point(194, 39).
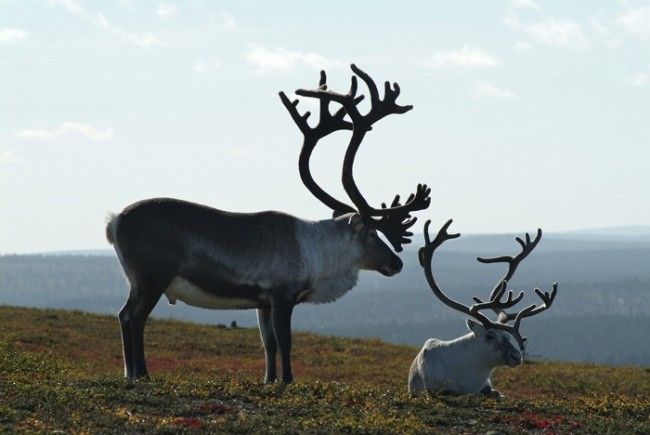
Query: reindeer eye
point(372, 233)
point(491, 335)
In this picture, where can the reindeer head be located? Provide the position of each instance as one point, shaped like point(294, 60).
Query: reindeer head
point(486, 329)
point(393, 221)
point(494, 346)
point(374, 253)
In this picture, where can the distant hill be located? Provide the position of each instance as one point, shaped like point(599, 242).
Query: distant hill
point(631, 231)
point(627, 237)
point(499, 244)
point(604, 292)
point(79, 252)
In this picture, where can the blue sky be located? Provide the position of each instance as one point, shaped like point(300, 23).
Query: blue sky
point(527, 113)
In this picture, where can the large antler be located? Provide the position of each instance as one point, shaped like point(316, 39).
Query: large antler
point(394, 220)
point(495, 301)
point(327, 124)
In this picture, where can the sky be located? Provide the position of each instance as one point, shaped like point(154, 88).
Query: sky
point(526, 113)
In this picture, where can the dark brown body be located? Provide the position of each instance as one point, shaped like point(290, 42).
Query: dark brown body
point(215, 259)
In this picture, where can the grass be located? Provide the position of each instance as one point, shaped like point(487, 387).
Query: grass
point(62, 371)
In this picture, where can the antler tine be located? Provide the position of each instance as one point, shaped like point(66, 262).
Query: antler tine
point(380, 108)
point(513, 262)
point(426, 256)
point(327, 122)
point(348, 100)
point(324, 102)
point(514, 329)
point(495, 303)
point(291, 106)
point(547, 298)
point(427, 240)
point(395, 227)
point(370, 83)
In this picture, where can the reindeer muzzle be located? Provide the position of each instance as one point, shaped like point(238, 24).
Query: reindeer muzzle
point(393, 268)
point(513, 358)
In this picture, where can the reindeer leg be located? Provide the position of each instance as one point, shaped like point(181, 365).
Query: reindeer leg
point(488, 391)
point(281, 310)
point(139, 315)
point(127, 341)
point(270, 344)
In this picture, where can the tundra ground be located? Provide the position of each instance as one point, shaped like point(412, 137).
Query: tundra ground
point(62, 371)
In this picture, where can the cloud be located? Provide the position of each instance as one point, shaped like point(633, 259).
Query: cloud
point(67, 129)
point(10, 36)
point(281, 60)
point(523, 46)
point(227, 20)
point(637, 79)
point(603, 30)
point(560, 33)
point(465, 57)
point(614, 29)
point(166, 10)
point(489, 90)
point(8, 157)
point(223, 20)
point(635, 21)
point(142, 40)
point(70, 5)
point(202, 67)
point(530, 4)
point(551, 31)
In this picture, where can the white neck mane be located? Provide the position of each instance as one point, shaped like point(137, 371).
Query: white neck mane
point(329, 259)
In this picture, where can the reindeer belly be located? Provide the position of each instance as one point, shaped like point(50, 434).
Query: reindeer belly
point(185, 291)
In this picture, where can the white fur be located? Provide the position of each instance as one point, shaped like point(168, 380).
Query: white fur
point(462, 366)
point(112, 220)
point(329, 259)
point(191, 294)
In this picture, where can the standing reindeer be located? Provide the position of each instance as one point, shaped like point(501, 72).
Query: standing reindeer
point(269, 261)
point(465, 365)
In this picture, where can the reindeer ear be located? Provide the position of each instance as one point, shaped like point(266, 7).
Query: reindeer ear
point(474, 326)
point(356, 223)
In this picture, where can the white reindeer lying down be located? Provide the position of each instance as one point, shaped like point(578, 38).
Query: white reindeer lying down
point(464, 365)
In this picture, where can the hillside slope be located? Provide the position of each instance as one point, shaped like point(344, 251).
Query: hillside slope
point(61, 370)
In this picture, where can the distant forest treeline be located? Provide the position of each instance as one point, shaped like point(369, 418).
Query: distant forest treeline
point(602, 313)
